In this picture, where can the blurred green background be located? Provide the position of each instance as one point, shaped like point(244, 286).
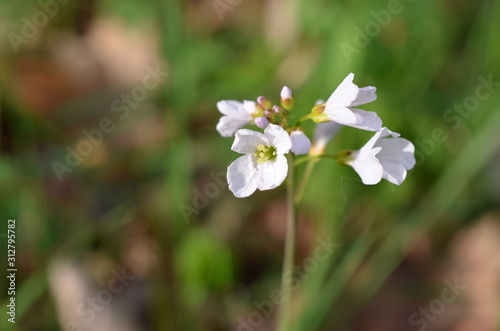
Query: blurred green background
point(149, 198)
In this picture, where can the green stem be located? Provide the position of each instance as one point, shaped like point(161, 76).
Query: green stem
point(304, 159)
point(291, 226)
point(293, 198)
point(303, 119)
point(304, 179)
point(314, 158)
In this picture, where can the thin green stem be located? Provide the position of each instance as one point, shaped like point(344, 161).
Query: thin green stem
point(305, 178)
point(293, 198)
point(304, 159)
point(303, 119)
point(314, 157)
point(291, 226)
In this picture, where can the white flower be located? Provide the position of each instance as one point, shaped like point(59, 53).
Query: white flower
point(323, 133)
point(339, 106)
point(264, 166)
point(236, 115)
point(380, 157)
point(300, 143)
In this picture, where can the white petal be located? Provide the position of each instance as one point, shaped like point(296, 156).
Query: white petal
point(385, 132)
point(394, 172)
point(409, 156)
point(367, 120)
point(278, 138)
point(345, 93)
point(242, 176)
point(236, 117)
point(371, 143)
point(365, 95)
point(249, 106)
point(229, 107)
point(246, 141)
point(367, 166)
point(228, 125)
point(396, 151)
point(342, 115)
point(300, 142)
point(272, 174)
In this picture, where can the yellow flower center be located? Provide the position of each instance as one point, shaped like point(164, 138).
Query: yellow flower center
point(265, 153)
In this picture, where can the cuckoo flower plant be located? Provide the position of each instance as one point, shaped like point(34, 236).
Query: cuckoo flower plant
point(264, 166)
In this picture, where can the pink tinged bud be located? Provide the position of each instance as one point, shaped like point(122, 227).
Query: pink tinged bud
point(264, 102)
point(268, 113)
point(300, 143)
point(286, 98)
point(259, 108)
point(276, 109)
point(261, 122)
point(286, 93)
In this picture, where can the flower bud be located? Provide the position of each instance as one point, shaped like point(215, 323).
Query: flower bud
point(261, 122)
point(259, 108)
point(300, 143)
point(286, 98)
point(264, 102)
point(277, 109)
point(268, 113)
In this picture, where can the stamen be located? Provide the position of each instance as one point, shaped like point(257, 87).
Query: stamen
point(265, 153)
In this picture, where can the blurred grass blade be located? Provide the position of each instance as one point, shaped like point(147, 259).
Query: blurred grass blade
point(440, 198)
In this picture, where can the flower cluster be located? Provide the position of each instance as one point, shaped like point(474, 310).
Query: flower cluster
point(264, 165)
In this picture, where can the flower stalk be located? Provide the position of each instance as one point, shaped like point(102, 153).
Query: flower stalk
point(305, 178)
point(288, 258)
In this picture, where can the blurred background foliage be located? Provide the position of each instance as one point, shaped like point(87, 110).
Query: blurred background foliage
point(151, 199)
